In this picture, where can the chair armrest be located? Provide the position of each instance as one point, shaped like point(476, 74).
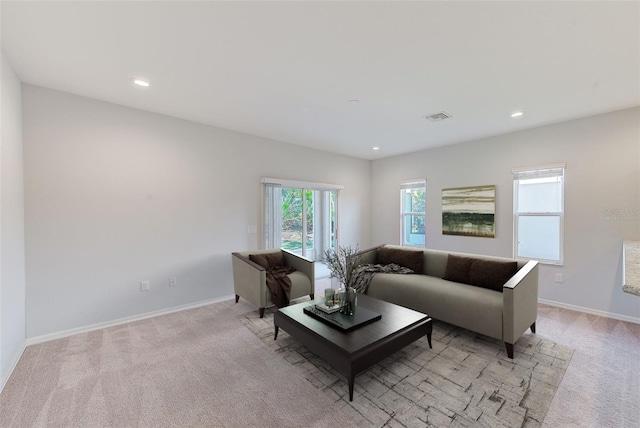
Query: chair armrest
point(301, 264)
point(369, 256)
point(249, 280)
point(520, 302)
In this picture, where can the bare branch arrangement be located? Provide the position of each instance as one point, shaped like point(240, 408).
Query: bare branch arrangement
point(342, 262)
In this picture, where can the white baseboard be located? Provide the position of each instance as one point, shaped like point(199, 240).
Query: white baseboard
point(5, 378)
point(591, 311)
point(93, 327)
point(99, 326)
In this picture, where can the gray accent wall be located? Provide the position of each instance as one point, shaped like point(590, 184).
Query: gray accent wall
point(602, 200)
point(12, 252)
point(115, 196)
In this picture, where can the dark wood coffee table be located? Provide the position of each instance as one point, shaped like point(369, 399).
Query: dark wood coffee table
point(352, 352)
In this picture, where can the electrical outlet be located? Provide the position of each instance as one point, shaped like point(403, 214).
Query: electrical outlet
point(172, 281)
point(144, 285)
point(559, 277)
point(252, 229)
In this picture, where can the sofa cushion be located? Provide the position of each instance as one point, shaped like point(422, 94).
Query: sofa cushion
point(411, 259)
point(268, 260)
point(458, 268)
point(475, 308)
point(491, 274)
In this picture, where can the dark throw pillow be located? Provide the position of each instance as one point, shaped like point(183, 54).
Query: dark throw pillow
point(260, 259)
point(268, 260)
point(412, 259)
point(275, 259)
point(458, 269)
point(491, 274)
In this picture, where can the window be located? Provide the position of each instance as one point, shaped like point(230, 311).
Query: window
point(538, 206)
point(413, 215)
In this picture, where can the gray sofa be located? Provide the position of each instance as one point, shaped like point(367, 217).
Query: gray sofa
point(504, 312)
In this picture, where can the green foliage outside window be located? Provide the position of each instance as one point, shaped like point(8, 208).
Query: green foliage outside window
point(415, 203)
point(292, 218)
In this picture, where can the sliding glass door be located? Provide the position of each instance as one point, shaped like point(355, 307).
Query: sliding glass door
point(300, 219)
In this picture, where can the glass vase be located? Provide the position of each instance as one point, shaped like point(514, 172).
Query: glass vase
point(348, 304)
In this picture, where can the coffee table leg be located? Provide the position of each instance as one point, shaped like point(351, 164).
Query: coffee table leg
point(428, 338)
point(352, 379)
point(278, 328)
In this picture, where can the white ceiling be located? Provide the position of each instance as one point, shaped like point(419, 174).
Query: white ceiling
point(287, 70)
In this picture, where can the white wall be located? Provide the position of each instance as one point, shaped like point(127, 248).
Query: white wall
point(115, 195)
point(602, 154)
point(12, 254)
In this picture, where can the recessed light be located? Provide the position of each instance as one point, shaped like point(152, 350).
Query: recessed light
point(517, 114)
point(375, 148)
point(139, 82)
point(354, 101)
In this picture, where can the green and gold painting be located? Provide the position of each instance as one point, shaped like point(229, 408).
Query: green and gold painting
point(469, 211)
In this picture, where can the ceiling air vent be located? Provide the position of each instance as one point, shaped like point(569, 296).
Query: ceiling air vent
point(438, 117)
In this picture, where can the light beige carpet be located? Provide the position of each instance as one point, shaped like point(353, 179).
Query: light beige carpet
point(601, 388)
point(135, 375)
point(466, 380)
point(195, 368)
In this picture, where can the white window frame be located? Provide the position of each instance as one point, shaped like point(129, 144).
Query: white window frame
point(412, 184)
point(539, 172)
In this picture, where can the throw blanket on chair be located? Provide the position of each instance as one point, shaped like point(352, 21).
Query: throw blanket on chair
point(279, 285)
point(364, 274)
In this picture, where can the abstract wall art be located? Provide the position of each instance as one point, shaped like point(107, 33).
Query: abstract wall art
point(469, 211)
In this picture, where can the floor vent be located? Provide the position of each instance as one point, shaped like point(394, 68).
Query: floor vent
point(438, 117)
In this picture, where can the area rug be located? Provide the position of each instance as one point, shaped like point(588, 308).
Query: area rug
point(466, 380)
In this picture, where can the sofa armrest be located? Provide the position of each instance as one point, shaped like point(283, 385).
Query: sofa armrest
point(520, 302)
point(249, 280)
point(369, 256)
point(301, 264)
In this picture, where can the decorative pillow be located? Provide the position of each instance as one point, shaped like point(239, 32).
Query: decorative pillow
point(260, 259)
point(458, 268)
point(491, 274)
point(412, 259)
point(275, 259)
point(268, 260)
